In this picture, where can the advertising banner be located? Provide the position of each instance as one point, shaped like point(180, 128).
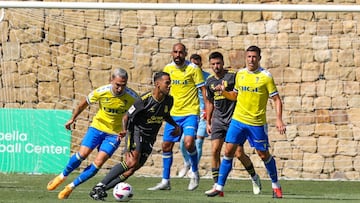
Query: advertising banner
point(33, 140)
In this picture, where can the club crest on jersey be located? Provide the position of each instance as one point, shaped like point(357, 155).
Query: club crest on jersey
point(166, 108)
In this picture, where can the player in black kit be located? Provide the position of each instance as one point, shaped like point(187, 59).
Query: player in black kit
point(143, 121)
point(219, 114)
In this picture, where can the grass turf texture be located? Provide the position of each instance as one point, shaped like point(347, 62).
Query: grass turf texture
point(32, 188)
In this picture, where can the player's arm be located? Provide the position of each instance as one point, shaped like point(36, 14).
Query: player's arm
point(230, 95)
point(125, 121)
point(278, 108)
point(209, 111)
point(80, 108)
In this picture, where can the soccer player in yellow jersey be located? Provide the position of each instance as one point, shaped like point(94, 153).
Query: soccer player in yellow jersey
point(186, 78)
point(114, 100)
point(253, 86)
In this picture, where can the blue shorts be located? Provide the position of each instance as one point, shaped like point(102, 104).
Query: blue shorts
point(188, 125)
point(201, 131)
point(256, 135)
point(105, 142)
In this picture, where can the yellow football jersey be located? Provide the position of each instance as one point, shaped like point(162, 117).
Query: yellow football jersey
point(254, 90)
point(111, 108)
point(185, 82)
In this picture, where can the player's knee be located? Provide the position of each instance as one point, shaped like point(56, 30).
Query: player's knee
point(167, 146)
point(131, 163)
point(264, 155)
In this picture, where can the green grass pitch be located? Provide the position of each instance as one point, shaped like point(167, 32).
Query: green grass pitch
point(22, 188)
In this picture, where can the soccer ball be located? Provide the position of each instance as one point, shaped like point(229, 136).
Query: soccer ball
point(123, 192)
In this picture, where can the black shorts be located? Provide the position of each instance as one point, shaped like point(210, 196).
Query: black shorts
point(142, 144)
point(218, 129)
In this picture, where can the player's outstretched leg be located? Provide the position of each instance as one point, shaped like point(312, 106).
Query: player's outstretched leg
point(54, 183)
point(256, 183)
point(65, 193)
point(73, 163)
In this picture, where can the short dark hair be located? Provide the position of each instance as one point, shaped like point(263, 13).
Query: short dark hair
point(255, 49)
point(195, 57)
point(158, 75)
point(216, 55)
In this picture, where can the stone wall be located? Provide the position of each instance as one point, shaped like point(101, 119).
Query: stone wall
point(52, 58)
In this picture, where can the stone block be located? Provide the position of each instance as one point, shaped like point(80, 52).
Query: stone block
point(47, 73)
point(65, 61)
point(251, 16)
point(116, 49)
point(112, 17)
point(66, 93)
point(74, 32)
point(304, 119)
point(327, 146)
point(292, 75)
point(346, 58)
point(234, 29)
point(328, 165)
point(28, 94)
point(219, 29)
point(48, 91)
point(99, 63)
point(334, 88)
point(82, 88)
point(322, 116)
point(99, 47)
point(225, 43)
point(145, 31)
point(99, 77)
point(292, 103)
point(66, 78)
point(112, 33)
point(56, 33)
point(161, 59)
point(27, 66)
point(344, 132)
point(256, 28)
point(204, 30)
point(322, 102)
point(165, 18)
point(285, 26)
point(325, 129)
point(190, 32)
point(183, 18)
point(343, 163)
point(323, 28)
point(334, 42)
point(8, 67)
point(232, 16)
point(147, 45)
point(162, 31)
point(282, 149)
point(129, 36)
point(306, 144)
point(10, 51)
point(81, 46)
point(177, 32)
point(307, 104)
point(313, 163)
point(95, 30)
point(354, 115)
point(201, 17)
